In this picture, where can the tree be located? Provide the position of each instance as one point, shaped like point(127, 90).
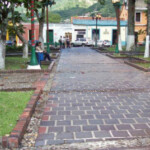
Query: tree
point(117, 9)
point(146, 54)
point(6, 8)
point(131, 25)
point(40, 6)
point(18, 29)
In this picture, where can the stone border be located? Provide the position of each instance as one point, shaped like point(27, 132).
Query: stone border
point(137, 66)
point(16, 135)
point(102, 51)
point(17, 89)
point(30, 71)
point(114, 57)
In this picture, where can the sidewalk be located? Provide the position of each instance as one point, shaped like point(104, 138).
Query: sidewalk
point(94, 98)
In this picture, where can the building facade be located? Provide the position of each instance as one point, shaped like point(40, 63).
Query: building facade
point(140, 19)
point(81, 27)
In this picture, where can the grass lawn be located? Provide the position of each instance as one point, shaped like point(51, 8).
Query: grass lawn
point(111, 49)
point(15, 63)
point(118, 55)
point(139, 49)
point(12, 105)
point(142, 56)
point(145, 65)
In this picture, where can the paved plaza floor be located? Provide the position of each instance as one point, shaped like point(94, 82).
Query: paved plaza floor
point(94, 97)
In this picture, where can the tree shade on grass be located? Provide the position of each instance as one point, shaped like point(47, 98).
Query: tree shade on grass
point(12, 105)
point(15, 63)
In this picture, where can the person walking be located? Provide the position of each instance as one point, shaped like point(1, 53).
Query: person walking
point(60, 42)
point(64, 42)
point(68, 42)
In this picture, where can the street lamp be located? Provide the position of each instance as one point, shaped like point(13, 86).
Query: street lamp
point(97, 17)
point(117, 5)
point(33, 62)
point(48, 2)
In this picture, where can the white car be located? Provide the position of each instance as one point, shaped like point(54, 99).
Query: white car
point(90, 43)
point(79, 42)
point(106, 43)
point(100, 43)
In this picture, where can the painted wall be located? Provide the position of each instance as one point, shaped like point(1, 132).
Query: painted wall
point(59, 30)
point(140, 7)
point(27, 27)
point(62, 29)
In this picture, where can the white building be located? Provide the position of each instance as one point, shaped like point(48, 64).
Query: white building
point(82, 28)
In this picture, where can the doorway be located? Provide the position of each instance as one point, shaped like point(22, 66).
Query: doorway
point(69, 35)
point(51, 36)
point(114, 37)
point(95, 34)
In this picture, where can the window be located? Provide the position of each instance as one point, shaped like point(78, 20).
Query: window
point(138, 17)
point(79, 36)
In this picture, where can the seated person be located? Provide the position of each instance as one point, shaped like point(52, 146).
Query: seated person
point(40, 50)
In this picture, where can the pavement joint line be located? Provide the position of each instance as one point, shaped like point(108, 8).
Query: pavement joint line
point(103, 90)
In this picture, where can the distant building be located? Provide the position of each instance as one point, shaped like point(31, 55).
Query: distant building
point(107, 29)
point(81, 27)
point(140, 18)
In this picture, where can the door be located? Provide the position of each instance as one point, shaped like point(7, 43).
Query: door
point(95, 34)
point(69, 35)
point(51, 36)
point(114, 37)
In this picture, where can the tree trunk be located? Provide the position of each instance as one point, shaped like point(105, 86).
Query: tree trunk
point(41, 39)
point(2, 54)
point(25, 50)
point(2, 47)
point(41, 20)
point(131, 25)
point(117, 8)
point(146, 54)
point(25, 44)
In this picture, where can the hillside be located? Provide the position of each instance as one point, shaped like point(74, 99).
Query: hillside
point(106, 10)
point(68, 4)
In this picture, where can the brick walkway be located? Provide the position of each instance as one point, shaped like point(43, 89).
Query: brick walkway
point(94, 97)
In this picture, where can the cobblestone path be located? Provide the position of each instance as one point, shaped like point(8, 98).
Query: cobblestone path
point(94, 97)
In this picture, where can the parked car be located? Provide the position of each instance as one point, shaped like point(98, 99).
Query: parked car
point(100, 43)
point(79, 42)
point(90, 43)
point(9, 43)
point(106, 43)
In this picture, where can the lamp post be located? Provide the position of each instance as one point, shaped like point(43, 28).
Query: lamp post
point(33, 62)
point(97, 17)
point(117, 5)
point(49, 2)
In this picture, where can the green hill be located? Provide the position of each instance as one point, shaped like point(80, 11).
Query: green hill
point(106, 10)
point(68, 4)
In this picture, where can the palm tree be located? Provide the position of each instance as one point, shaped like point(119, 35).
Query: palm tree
point(146, 54)
point(131, 25)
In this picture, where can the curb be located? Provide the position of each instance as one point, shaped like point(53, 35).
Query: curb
point(16, 135)
point(111, 56)
point(137, 66)
point(29, 71)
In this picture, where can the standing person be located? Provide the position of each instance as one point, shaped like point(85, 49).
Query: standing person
point(68, 42)
point(64, 42)
point(40, 51)
point(60, 42)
